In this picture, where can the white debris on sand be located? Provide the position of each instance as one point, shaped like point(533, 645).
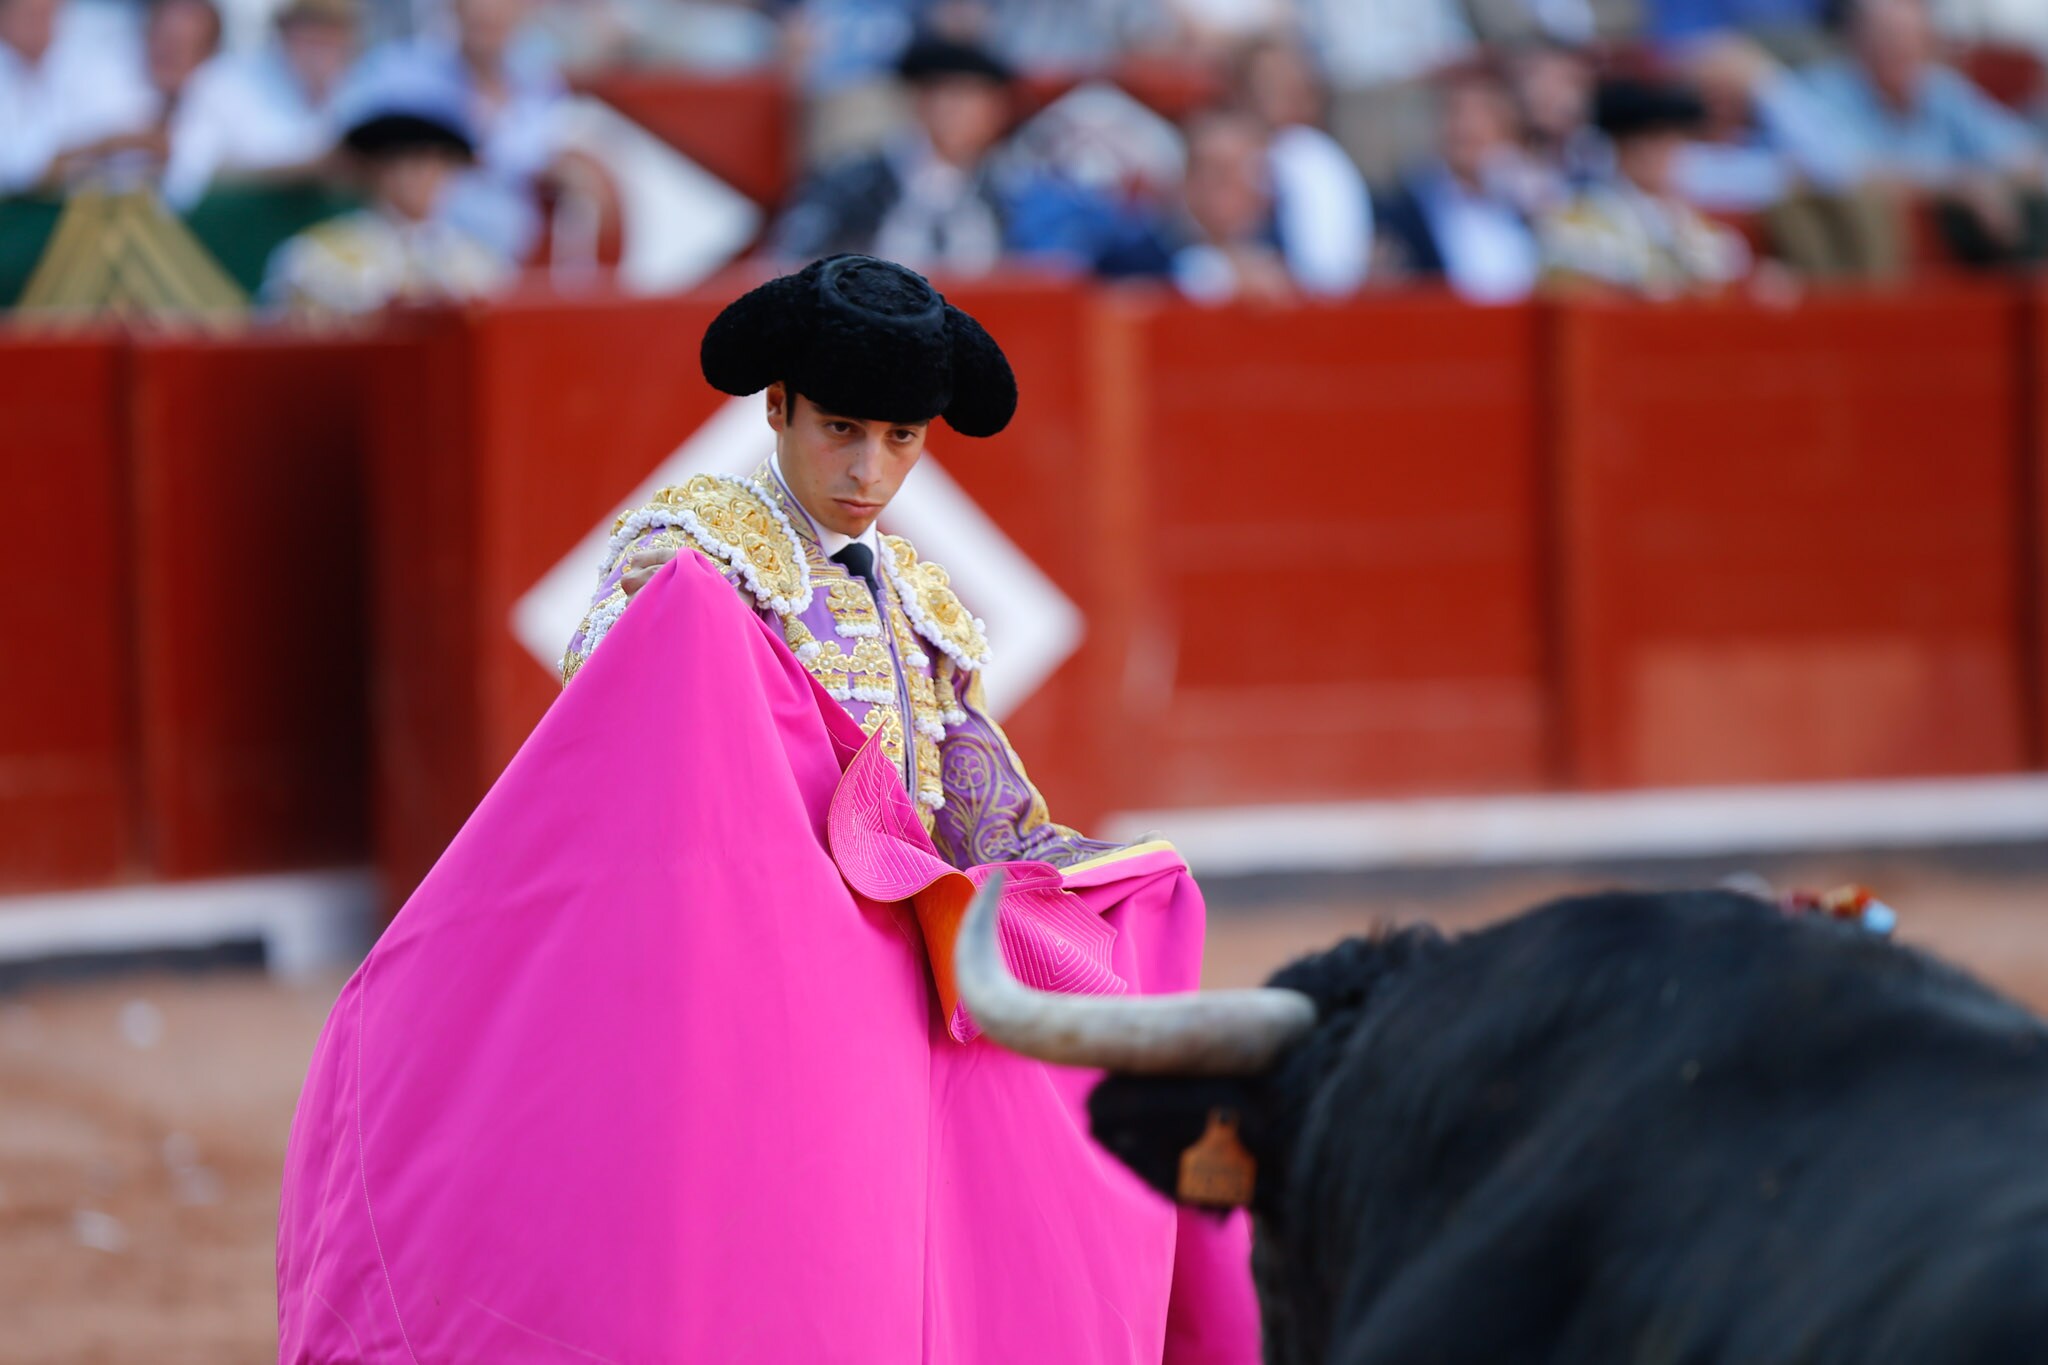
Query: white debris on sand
point(100, 1231)
point(142, 1024)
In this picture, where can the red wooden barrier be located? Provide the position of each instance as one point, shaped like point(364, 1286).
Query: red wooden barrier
point(252, 629)
point(1334, 531)
point(67, 771)
point(2035, 537)
point(1789, 540)
point(1310, 548)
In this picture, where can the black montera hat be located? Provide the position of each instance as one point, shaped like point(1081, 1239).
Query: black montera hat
point(863, 338)
point(932, 57)
point(1626, 107)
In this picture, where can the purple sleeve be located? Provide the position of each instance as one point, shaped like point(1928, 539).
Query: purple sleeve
point(992, 812)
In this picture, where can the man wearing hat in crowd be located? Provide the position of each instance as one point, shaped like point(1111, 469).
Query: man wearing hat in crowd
point(930, 197)
point(1631, 231)
point(405, 130)
point(858, 357)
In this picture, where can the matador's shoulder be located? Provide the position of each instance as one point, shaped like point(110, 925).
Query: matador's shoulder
point(934, 609)
point(734, 522)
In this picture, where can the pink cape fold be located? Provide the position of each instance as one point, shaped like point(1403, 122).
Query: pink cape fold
point(641, 1073)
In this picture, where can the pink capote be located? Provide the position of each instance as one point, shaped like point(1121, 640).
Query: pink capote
point(639, 1075)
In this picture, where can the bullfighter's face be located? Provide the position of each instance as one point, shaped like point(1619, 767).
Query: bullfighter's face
point(844, 470)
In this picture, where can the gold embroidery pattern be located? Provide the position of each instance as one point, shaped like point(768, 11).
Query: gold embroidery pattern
point(926, 718)
point(730, 520)
point(885, 718)
point(853, 611)
point(934, 608)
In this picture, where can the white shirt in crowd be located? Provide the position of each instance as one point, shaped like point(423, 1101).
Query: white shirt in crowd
point(89, 85)
point(1489, 251)
point(942, 221)
point(244, 112)
point(1324, 210)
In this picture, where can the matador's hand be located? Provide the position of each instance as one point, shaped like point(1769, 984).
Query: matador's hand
point(642, 565)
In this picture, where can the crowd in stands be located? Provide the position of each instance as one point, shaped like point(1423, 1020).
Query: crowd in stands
point(1652, 147)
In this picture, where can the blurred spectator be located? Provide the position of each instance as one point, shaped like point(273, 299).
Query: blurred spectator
point(1774, 149)
point(1074, 35)
point(1632, 232)
point(844, 55)
point(1213, 29)
point(1904, 115)
point(699, 35)
point(1219, 241)
point(263, 112)
point(935, 197)
point(514, 100)
point(1458, 216)
point(1552, 85)
point(1379, 56)
point(178, 38)
point(1382, 55)
point(1322, 210)
point(73, 94)
point(407, 135)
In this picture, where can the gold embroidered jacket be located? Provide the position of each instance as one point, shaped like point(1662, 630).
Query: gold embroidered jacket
point(906, 661)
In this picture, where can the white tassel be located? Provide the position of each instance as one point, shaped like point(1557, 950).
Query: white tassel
point(601, 620)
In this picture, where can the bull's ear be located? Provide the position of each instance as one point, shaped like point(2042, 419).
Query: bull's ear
point(1146, 1122)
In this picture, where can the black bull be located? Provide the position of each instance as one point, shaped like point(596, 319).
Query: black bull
point(1636, 1129)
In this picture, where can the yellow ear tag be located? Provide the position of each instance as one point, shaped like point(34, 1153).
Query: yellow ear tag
point(1217, 1172)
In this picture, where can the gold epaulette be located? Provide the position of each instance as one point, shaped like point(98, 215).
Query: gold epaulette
point(733, 521)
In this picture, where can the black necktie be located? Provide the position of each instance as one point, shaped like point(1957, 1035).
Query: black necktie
point(859, 561)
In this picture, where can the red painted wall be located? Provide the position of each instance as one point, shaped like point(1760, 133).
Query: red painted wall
point(67, 755)
point(1339, 565)
point(260, 589)
point(250, 580)
point(1790, 542)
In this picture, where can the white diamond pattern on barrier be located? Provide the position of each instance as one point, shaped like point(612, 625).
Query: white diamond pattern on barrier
point(1032, 626)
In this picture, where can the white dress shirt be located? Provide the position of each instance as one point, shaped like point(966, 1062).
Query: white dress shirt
point(1325, 213)
point(244, 112)
point(89, 85)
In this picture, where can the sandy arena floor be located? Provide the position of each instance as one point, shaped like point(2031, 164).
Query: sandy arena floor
point(143, 1118)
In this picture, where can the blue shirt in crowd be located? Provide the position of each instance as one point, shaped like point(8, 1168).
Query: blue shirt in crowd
point(1951, 125)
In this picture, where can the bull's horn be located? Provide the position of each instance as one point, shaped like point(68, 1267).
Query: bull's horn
point(1212, 1033)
